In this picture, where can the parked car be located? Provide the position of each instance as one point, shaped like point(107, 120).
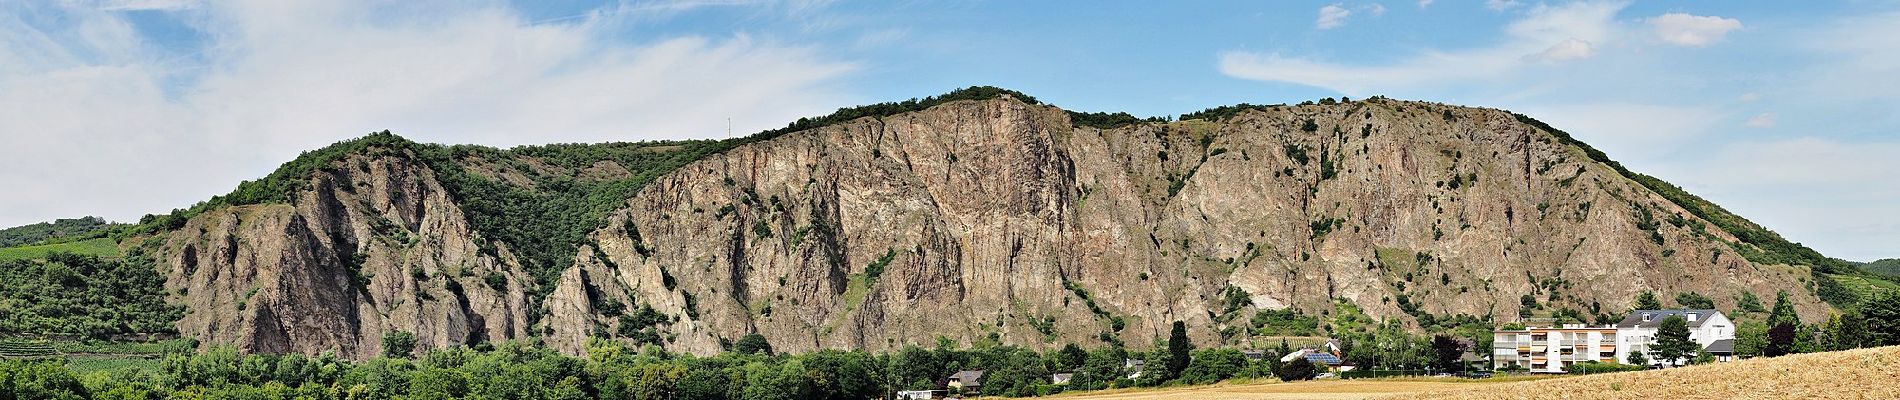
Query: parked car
point(1323, 375)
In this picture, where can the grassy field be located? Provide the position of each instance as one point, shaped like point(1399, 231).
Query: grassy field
point(102, 247)
point(1330, 389)
point(1854, 374)
point(87, 365)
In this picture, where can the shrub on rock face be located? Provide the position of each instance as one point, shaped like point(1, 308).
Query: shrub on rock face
point(399, 344)
point(753, 343)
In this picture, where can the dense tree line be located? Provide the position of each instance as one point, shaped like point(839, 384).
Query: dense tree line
point(612, 371)
point(58, 230)
point(68, 294)
point(1888, 267)
point(1875, 321)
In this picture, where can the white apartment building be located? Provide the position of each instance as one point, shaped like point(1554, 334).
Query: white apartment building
point(1555, 349)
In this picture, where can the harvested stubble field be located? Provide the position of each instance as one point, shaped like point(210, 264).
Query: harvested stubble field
point(1330, 389)
point(1853, 374)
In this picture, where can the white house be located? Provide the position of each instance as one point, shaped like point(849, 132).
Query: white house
point(1638, 331)
point(922, 394)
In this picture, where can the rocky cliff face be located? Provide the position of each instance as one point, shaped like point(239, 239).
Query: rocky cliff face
point(373, 246)
point(976, 220)
point(999, 219)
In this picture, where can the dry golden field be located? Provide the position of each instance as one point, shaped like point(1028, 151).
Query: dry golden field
point(1854, 374)
point(1330, 389)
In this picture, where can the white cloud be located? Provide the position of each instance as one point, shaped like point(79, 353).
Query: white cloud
point(1534, 34)
point(1332, 16)
point(1567, 50)
point(1750, 96)
point(1375, 9)
point(1424, 3)
point(1501, 5)
point(99, 123)
point(881, 38)
point(137, 5)
point(1763, 120)
point(1692, 30)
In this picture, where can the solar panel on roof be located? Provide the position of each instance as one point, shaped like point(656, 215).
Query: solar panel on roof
point(1322, 358)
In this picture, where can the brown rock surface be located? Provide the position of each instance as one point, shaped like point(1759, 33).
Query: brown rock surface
point(979, 219)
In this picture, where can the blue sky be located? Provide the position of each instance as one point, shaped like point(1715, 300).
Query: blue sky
point(1783, 112)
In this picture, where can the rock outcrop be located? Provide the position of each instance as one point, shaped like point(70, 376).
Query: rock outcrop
point(998, 219)
point(978, 220)
point(373, 246)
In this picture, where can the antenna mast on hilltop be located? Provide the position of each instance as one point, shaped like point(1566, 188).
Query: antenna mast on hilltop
point(728, 127)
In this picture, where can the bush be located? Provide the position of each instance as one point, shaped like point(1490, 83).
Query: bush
point(752, 343)
point(399, 344)
point(1593, 367)
point(1298, 370)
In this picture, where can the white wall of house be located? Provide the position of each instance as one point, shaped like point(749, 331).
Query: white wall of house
point(1550, 350)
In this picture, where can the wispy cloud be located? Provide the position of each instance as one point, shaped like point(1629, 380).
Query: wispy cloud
point(1501, 5)
point(90, 100)
point(1692, 30)
point(1763, 120)
point(1567, 50)
point(1331, 16)
point(1527, 40)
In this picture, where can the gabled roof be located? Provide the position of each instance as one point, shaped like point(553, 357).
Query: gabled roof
point(1724, 346)
point(1635, 319)
point(968, 378)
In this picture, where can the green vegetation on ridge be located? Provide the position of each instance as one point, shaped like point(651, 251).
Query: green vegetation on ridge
point(98, 247)
point(543, 223)
point(61, 230)
point(78, 295)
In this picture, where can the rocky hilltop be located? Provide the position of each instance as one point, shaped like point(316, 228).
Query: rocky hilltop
point(994, 218)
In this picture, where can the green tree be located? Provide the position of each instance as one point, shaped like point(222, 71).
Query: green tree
point(1751, 339)
point(1843, 331)
point(1784, 311)
point(1672, 341)
point(1178, 349)
point(1446, 352)
point(1213, 365)
point(1781, 340)
point(1071, 357)
point(752, 343)
point(1298, 370)
point(916, 368)
point(1015, 372)
point(39, 380)
point(1749, 303)
point(399, 344)
point(1104, 365)
point(1881, 318)
point(1647, 301)
point(1637, 358)
point(1694, 300)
